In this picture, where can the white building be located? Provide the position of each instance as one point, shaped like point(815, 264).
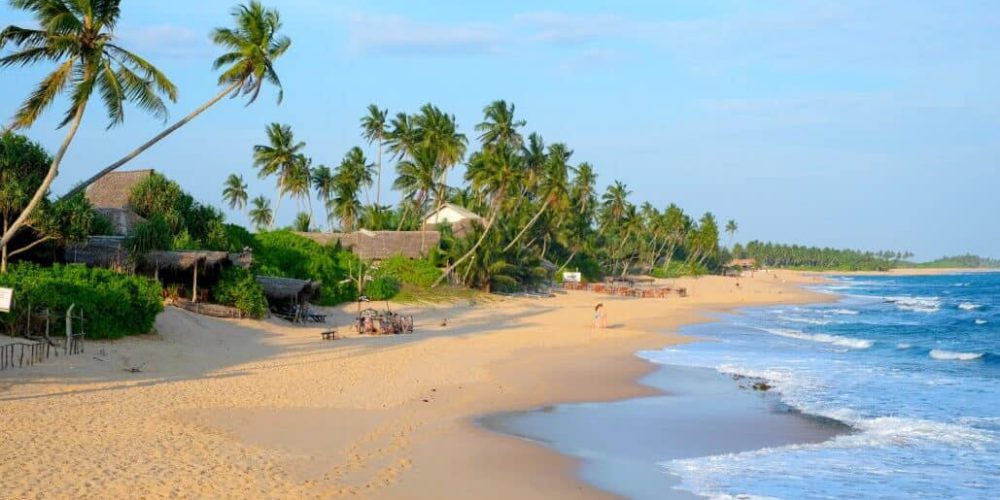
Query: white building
point(459, 218)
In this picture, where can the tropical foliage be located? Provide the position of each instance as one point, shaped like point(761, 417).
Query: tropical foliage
point(239, 288)
point(803, 257)
point(963, 261)
point(114, 305)
point(284, 254)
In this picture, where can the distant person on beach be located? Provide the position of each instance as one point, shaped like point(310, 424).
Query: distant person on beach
point(600, 317)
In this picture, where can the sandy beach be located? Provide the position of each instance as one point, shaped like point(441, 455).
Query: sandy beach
point(264, 409)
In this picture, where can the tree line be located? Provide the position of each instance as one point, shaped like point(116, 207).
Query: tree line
point(778, 255)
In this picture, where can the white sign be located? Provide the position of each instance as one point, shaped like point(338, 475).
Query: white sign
point(6, 299)
point(572, 277)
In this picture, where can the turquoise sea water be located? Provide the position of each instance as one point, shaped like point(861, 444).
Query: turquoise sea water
point(912, 364)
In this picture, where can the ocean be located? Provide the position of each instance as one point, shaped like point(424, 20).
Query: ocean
point(893, 391)
point(911, 364)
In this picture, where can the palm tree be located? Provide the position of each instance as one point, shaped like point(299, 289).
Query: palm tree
point(416, 179)
point(583, 190)
point(78, 37)
point(302, 222)
point(438, 130)
point(298, 182)
point(554, 186)
point(403, 138)
point(353, 174)
point(731, 229)
point(279, 156)
point(499, 125)
point(235, 192)
point(261, 215)
point(492, 172)
point(615, 203)
point(322, 181)
point(252, 47)
point(373, 127)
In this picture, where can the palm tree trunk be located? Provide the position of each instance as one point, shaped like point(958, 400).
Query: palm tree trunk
point(570, 259)
point(486, 230)
point(528, 225)
point(378, 175)
point(19, 222)
point(169, 130)
point(3, 251)
point(274, 214)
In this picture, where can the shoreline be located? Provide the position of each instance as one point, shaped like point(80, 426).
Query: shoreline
point(257, 408)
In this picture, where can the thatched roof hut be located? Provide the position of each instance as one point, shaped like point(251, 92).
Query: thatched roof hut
point(288, 289)
point(379, 245)
point(113, 190)
point(99, 251)
point(184, 260)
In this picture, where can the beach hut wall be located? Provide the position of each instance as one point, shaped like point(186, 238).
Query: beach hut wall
point(98, 251)
point(380, 245)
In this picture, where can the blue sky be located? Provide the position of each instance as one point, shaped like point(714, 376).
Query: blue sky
point(850, 124)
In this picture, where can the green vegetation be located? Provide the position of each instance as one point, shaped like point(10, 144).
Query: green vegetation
point(238, 288)
point(416, 272)
point(114, 305)
point(815, 258)
point(962, 261)
point(382, 288)
point(284, 254)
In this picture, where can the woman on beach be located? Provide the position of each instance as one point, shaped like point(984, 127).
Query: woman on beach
point(600, 317)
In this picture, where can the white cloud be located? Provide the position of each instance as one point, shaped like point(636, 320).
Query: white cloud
point(396, 34)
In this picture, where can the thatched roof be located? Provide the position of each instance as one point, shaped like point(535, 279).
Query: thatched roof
point(122, 220)
point(112, 190)
point(377, 245)
point(183, 260)
point(98, 251)
point(276, 288)
point(744, 263)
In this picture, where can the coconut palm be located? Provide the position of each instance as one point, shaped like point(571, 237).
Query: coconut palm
point(235, 192)
point(278, 157)
point(298, 182)
point(492, 173)
point(403, 138)
point(439, 131)
point(615, 203)
point(416, 179)
point(355, 170)
point(350, 177)
point(373, 129)
point(261, 215)
point(322, 181)
point(499, 125)
point(554, 186)
point(731, 229)
point(583, 190)
point(78, 36)
point(302, 222)
point(251, 49)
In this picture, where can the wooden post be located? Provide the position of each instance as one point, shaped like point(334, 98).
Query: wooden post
point(69, 328)
point(194, 287)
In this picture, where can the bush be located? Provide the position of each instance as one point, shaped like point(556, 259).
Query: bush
point(418, 272)
point(382, 288)
point(238, 288)
point(678, 269)
point(114, 305)
point(284, 254)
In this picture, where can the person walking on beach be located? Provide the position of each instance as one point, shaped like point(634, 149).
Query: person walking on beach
point(600, 317)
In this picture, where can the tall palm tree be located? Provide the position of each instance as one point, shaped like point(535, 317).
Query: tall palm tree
point(554, 186)
point(261, 215)
point(78, 36)
point(351, 176)
point(403, 137)
point(499, 126)
point(416, 179)
point(252, 47)
point(298, 182)
point(615, 203)
point(278, 157)
point(322, 181)
point(439, 131)
point(235, 192)
point(492, 172)
point(584, 188)
point(731, 228)
point(373, 129)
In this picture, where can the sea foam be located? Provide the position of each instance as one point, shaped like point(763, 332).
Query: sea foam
point(822, 337)
point(943, 355)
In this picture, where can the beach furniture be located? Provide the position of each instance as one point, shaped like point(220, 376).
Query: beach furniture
point(329, 335)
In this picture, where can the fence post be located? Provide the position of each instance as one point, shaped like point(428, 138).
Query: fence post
point(69, 328)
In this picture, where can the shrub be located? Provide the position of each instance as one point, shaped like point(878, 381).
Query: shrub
point(238, 288)
point(418, 272)
point(114, 305)
point(382, 288)
point(282, 253)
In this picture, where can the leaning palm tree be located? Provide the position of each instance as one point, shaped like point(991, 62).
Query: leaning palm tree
point(322, 181)
point(78, 36)
point(261, 215)
point(252, 47)
point(492, 172)
point(235, 192)
point(278, 157)
point(554, 186)
point(373, 127)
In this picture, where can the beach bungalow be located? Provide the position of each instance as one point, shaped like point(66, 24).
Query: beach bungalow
point(459, 218)
point(109, 197)
point(380, 245)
